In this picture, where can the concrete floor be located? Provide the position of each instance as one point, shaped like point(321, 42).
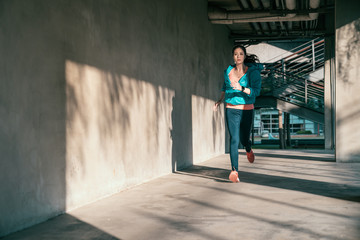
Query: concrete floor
point(285, 194)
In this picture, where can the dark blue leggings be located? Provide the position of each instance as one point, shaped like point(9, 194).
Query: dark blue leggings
point(239, 125)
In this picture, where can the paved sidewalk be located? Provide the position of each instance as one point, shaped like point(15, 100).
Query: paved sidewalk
point(285, 194)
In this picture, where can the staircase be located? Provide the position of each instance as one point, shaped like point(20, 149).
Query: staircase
point(294, 82)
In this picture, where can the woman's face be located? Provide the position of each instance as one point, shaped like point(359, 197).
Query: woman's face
point(239, 56)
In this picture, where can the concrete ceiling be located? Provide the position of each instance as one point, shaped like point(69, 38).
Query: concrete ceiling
point(262, 20)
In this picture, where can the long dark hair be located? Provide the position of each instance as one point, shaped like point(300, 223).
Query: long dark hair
point(251, 58)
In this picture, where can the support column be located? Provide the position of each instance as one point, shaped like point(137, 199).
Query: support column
point(252, 129)
point(347, 57)
point(281, 131)
point(329, 93)
point(287, 128)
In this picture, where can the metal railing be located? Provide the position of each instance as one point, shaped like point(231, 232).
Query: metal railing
point(292, 76)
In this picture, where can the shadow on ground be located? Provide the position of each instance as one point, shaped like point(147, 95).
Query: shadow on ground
point(297, 157)
point(333, 190)
point(67, 227)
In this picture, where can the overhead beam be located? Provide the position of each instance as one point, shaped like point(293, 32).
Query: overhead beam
point(222, 16)
point(275, 37)
point(327, 9)
point(300, 111)
point(239, 33)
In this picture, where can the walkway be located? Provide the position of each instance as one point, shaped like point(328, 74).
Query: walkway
point(285, 194)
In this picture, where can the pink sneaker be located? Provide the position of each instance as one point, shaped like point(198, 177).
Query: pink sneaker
point(250, 156)
point(234, 176)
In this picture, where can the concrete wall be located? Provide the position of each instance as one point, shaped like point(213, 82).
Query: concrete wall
point(347, 55)
point(97, 96)
point(329, 93)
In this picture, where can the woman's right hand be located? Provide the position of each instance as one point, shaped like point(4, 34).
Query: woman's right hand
point(216, 106)
point(236, 86)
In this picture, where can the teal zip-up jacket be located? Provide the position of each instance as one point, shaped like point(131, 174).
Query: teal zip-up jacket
point(251, 79)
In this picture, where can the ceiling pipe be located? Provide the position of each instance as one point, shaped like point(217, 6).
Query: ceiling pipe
point(222, 16)
point(314, 4)
point(290, 5)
